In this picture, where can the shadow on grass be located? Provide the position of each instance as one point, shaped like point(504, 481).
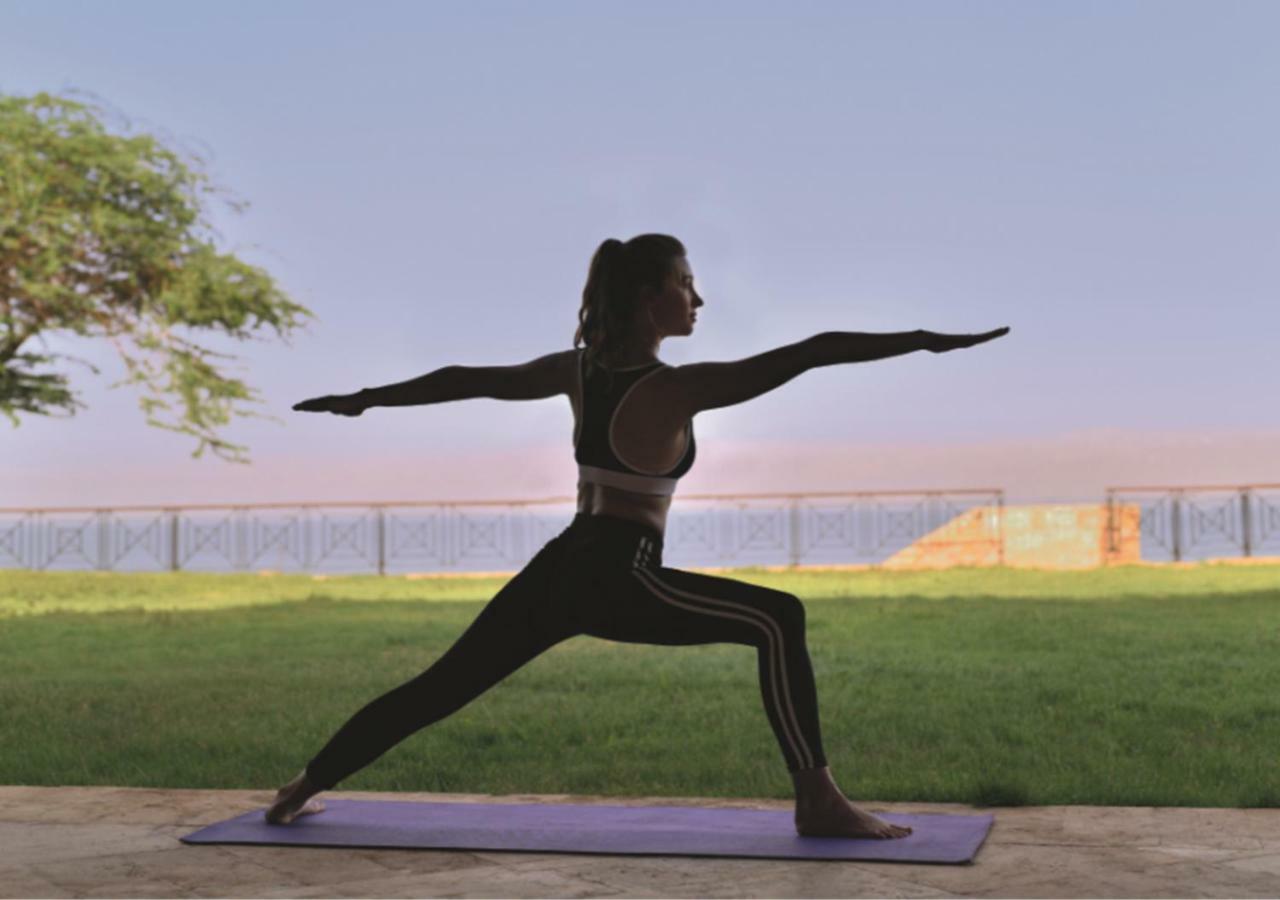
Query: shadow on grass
point(1000, 793)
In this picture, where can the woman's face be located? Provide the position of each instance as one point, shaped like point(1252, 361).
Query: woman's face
point(674, 309)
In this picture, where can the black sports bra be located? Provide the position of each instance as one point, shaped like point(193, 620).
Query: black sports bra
point(593, 446)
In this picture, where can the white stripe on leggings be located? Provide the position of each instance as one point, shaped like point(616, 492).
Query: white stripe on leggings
point(772, 631)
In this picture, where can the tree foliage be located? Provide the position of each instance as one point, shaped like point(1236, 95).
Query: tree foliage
point(106, 235)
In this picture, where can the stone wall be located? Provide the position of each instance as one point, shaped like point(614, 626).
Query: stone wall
point(1058, 536)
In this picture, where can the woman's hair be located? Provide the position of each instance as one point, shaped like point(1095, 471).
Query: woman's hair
point(618, 272)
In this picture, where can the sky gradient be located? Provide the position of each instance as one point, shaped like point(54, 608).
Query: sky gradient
point(432, 178)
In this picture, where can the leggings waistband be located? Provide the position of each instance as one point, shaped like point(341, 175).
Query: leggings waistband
point(616, 526)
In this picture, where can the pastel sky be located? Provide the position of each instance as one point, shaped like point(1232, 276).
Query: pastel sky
point(431, 179)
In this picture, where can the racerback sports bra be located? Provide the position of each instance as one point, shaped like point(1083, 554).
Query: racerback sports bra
point(593, 445)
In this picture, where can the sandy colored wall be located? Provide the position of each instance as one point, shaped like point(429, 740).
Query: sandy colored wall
point(1057, 536)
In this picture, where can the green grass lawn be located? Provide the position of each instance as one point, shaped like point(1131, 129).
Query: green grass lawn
point(1129, 686)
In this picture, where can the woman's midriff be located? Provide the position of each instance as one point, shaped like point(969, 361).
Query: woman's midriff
point(602, 500)
point(645, 429)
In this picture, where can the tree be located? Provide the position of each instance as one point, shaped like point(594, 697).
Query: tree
point(105, 235)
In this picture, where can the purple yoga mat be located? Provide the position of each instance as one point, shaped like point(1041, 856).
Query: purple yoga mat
point(568, 828)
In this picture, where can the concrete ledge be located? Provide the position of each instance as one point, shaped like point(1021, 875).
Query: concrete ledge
point(123, 842)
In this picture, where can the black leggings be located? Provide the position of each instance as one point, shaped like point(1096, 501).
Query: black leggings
point(601, 576)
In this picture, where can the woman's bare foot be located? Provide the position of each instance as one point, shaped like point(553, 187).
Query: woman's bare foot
point(823, 811)
point(297, 798)
point(846, 820)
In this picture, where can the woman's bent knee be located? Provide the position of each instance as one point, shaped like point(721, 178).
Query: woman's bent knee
point(794, 611)
point(786, 609)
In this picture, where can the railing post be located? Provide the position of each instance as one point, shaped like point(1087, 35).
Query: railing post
point(447, 525)
point(240, 554)
point(1246, 522)
point(382, 541)
point(305, 527)
point(175, 558)
point(1110, 555)
point(41, 542)
point(104, 540)
point(1000, 525)
point(1176, 505)
point(793, 513)
point(722, 530)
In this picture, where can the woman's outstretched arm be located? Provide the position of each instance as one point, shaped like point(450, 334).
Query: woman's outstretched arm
point(703, 386)
point(545, 376)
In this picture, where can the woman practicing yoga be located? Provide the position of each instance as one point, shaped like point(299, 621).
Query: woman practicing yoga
point(603, 575)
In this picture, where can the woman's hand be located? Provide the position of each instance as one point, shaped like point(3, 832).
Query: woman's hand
point(941, 343)
point(339, 404)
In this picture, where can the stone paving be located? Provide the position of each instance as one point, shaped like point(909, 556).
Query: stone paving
point(123, 842)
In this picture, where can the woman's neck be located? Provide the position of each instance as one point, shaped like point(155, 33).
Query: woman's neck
point(628, 362)
point(637, 353)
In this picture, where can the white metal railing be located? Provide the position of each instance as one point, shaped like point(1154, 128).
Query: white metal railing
point(1197, 521)
point(708, 530)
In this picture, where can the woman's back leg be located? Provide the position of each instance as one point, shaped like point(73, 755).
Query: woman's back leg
point(519, 623)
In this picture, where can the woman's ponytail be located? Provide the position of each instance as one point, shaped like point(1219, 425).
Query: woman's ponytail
point(617, 273)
